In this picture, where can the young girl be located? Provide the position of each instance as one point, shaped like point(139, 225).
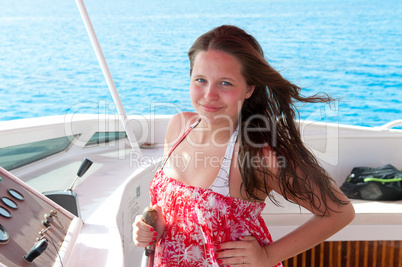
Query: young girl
point(225, 159)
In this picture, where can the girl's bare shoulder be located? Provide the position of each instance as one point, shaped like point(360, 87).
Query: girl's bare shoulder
point(178, 124)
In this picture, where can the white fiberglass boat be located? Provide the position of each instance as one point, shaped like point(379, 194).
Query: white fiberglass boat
point(115, 188)
point(43, 155)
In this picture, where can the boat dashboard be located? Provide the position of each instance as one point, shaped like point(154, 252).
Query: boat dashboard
point(34, 231)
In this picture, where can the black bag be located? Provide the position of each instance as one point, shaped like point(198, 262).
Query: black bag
point(383, 183)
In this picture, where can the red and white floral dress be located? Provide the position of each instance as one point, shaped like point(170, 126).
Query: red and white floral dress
point(198, 219)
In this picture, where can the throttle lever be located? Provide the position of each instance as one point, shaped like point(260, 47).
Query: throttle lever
point(81, 171)
point(149, 216)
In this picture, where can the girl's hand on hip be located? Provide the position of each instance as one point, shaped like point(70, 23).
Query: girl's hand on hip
point(247, 252)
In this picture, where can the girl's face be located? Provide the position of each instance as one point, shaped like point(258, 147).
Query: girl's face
point(218, 88)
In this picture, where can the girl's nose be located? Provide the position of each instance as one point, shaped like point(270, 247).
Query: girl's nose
point(211, 92)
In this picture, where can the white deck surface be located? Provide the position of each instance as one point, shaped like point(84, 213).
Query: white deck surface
point(101, 188)
point(99, 192)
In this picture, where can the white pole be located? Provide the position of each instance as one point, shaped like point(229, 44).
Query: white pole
point(108, 76)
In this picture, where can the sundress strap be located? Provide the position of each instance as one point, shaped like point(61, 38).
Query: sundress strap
point(192, 126)
point(221, 182)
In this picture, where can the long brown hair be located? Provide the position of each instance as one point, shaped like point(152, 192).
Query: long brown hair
point(270, 112)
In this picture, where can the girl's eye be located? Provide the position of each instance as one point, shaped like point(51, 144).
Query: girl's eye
point(226, 83)
point(201, 80)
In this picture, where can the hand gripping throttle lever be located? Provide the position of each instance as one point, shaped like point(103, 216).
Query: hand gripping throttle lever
point(149, 216)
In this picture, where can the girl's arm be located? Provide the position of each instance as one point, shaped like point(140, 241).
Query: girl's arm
point(311, 233)
point(144, 234)
point(316, 230)
point(306, 236)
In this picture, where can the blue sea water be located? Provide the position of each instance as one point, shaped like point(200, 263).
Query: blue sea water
point(350, 49)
